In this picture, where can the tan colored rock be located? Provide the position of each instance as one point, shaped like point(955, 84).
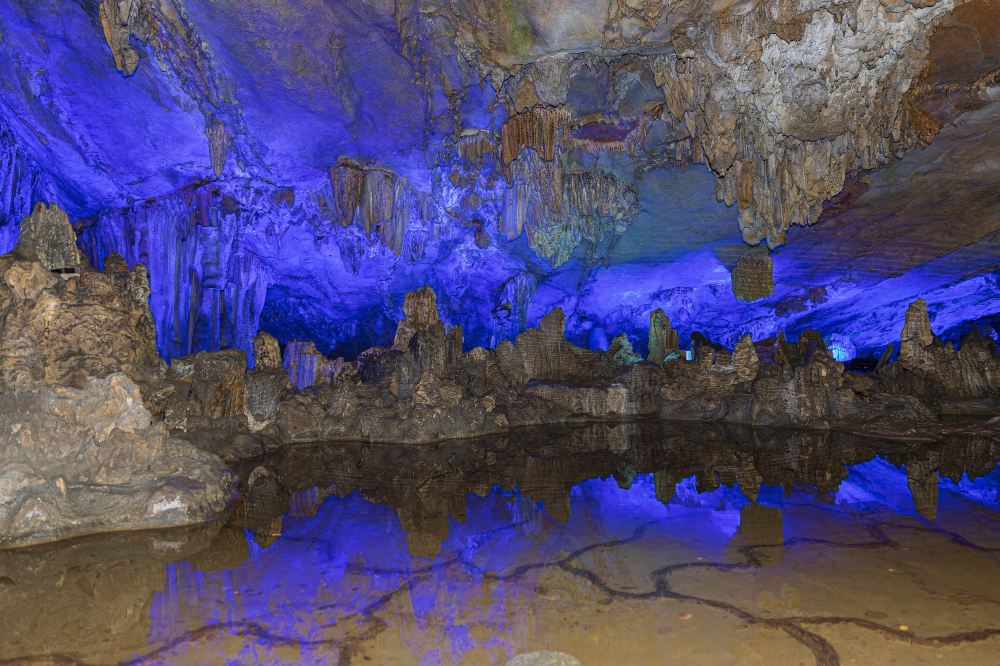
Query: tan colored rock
point(745, 359)
point(47, 237)
point(117, 19)
point(62, 332)
point(80, 461)
point(266, 351)
point(753, 276)
point(663, 340)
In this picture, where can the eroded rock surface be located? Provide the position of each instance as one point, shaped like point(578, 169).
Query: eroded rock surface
point(90, 459)
point(426, 389)
point(80, 451)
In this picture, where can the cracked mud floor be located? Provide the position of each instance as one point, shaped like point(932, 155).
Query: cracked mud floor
point(612, 556)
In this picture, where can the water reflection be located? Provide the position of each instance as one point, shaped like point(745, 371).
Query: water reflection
point(612, 544)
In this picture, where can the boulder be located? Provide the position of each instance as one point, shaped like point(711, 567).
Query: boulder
point(83, 460)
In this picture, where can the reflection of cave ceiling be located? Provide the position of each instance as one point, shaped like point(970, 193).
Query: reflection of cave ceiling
point(300, 164)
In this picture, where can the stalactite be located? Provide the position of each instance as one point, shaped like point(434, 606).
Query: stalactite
point(595, 137)
point(118, 19)
point(510, 314)
point(207, 291)
point(306, 366)
point(22, 184)
point(560, 209)
point(536, 128)
point(346, 180)
point(219, 140)
point(377, 198)
point(474, 145)
point(753, 276)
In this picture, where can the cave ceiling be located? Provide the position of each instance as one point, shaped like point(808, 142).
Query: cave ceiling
point(296, 166)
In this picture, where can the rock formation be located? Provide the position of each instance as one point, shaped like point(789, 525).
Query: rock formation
point(81, 452)
point(425, 388)
point(48, 238)
point(663, 343)
point(940, 374)
point(89, 459)
point(753, 276)
point(568, 182)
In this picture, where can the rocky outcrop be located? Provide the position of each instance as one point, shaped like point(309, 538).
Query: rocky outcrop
point(90, 459)
point(940, 374)
point(663, 340)
point(61, 330)
point(82, 451)
point(425, 388)
point(118, 18)
point(48, 238)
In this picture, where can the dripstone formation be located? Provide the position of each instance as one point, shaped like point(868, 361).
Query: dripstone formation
point(95, 423)
point(227, 228)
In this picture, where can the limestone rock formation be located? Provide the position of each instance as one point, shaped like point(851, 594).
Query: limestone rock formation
point(940, 374)
point(81, 450)
point(89, 459)
point(118, 19)
point(753, 276)
point(61, 332)
point(266, 351)
point(426, 388)
point(48, 238)
point(663, 340)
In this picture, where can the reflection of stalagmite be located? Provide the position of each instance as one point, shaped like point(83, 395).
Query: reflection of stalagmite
point(666, 485)
point(922, 479)
point(760, 527)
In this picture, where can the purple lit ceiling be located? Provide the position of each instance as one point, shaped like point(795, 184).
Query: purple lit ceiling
point(276, 93)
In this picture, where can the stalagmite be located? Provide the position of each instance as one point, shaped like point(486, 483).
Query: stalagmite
point(663, 340)
point(47, 237)
point(267, 353)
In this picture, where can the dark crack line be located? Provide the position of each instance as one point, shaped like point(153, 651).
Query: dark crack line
point(822, 650)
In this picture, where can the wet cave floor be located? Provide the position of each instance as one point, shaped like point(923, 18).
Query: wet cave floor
point(628, 544)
